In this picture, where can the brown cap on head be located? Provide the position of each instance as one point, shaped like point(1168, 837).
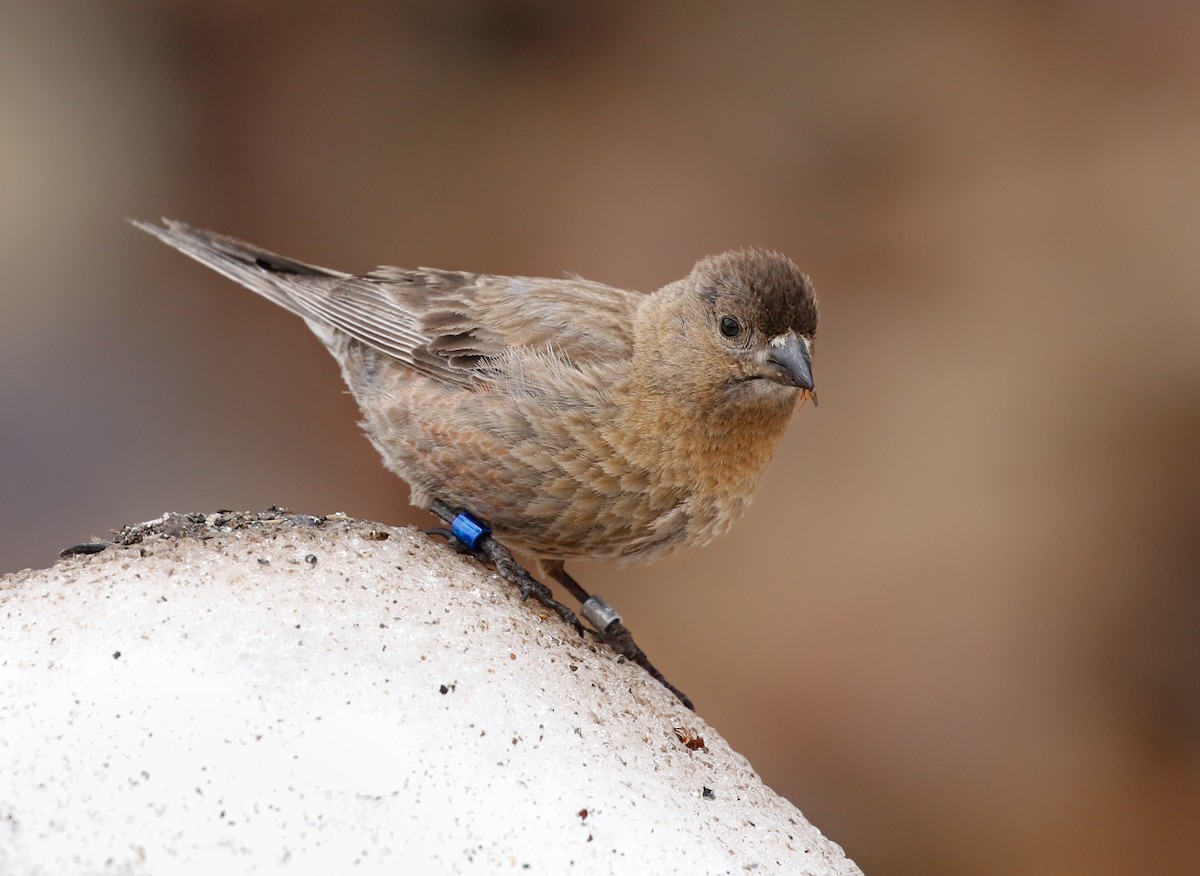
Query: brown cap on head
point(777, 295)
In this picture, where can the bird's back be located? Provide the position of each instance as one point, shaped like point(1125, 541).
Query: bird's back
point(451, 326)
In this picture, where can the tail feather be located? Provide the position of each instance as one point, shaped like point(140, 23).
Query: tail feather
point(275, 277)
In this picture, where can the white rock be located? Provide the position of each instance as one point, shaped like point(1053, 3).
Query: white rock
point(220, 704)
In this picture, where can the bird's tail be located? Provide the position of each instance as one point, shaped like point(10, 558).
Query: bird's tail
point(286, 282)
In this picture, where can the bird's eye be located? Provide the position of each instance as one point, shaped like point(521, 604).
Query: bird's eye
point(730, 326)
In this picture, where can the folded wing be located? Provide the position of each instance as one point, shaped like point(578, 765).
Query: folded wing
point(452, 326)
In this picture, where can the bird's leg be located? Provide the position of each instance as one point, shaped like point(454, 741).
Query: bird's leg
point(477, 539)
point(609, 626)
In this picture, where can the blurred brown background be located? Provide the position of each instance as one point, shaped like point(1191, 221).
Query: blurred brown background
point(960, 627)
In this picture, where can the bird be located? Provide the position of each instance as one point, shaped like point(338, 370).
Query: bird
point(575, 419)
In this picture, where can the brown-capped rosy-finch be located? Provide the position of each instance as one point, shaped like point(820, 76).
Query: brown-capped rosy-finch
point(575, 419)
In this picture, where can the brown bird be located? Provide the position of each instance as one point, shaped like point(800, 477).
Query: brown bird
point(576, 419)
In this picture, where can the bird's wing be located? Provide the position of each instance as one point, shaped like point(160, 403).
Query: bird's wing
point(450, 325)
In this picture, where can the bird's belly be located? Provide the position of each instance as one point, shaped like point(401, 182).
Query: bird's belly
point(564, 484)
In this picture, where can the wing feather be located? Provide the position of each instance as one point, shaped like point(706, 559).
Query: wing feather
point(453, 326)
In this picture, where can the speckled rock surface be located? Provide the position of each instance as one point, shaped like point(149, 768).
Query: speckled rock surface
point(282, 694)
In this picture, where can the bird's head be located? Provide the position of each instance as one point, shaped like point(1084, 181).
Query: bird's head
point(751, 317)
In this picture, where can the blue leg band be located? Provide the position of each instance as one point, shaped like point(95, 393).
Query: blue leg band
point(468, 530)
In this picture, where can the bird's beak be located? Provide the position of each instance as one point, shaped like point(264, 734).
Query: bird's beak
point(789, 362)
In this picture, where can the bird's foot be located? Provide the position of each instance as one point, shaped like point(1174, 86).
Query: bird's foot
point(476, 539)
point(618, 637)
point(611, 630)
point(452, 540)
point(510, 570)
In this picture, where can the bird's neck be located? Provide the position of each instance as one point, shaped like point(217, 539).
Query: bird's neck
point(701, 437)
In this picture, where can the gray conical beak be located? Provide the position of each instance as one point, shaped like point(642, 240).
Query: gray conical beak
point(789, 361)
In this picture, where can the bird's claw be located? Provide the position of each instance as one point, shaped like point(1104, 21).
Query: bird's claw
point(609, 628)
point(543, 595)
point(487, 550)
point(617, 636)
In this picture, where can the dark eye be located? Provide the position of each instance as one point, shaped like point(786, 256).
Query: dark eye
point(730, 326)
